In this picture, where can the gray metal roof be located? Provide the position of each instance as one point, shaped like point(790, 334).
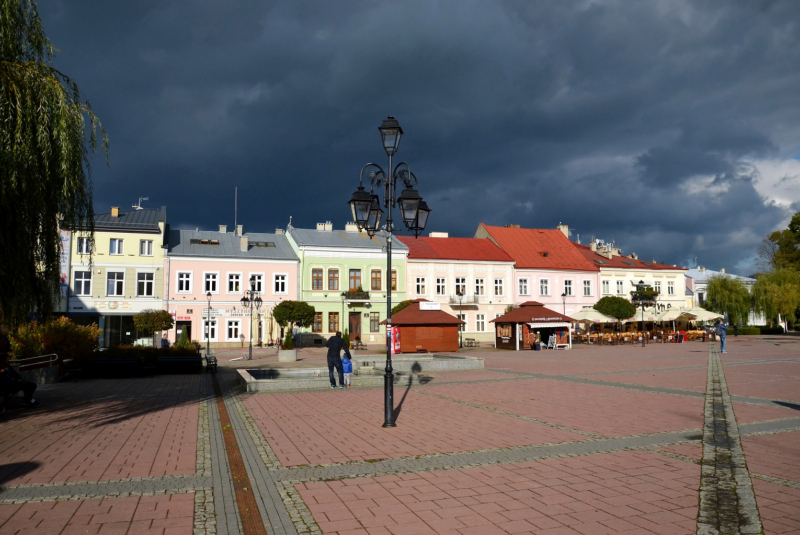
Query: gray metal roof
point(703, 276)
point(342, 238)
point(260, 245)
point(142, 220)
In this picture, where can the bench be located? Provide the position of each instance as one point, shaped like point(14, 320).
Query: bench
point(211, 363)
point(358, 344)
point(470, 342)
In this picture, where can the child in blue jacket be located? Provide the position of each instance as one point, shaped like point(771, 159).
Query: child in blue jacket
point(347, 369)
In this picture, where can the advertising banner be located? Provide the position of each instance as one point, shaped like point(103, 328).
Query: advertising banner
point(394, 338)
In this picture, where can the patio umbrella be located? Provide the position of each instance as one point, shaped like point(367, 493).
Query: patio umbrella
point(672, 314)
point(702, 314)
point(592, 315)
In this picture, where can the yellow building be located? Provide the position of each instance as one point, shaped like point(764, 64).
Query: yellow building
point(118, 273)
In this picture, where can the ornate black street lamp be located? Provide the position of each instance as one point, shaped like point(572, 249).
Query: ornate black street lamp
point(367, 214)
point(208, 325)
point(460, 296)
point(564, 302)
point(643, 296)
point(251, 300)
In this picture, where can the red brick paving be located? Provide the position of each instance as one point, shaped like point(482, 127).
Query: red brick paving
point(612, 493)
point(779, 507)
point(775, 455)
point(146, 515)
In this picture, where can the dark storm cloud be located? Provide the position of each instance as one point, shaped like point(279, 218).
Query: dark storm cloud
point(632, 120)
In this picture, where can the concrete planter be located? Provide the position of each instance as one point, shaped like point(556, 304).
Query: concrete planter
point(287, 355)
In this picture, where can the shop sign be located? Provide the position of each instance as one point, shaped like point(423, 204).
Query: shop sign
point(113, 305)
point(429, 305)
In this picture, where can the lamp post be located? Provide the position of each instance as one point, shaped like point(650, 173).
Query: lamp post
point(208, 325)
point(367, 214)
point(341, 321)
point(460, 296)
point(641, 297)
point(564, 302)
point(251, 300)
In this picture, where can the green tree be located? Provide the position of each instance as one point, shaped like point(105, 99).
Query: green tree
point(777, 293)
point(728, 295)
point(788, 242)
point(618, 308)
point(400, 306)
point(45, 177)
point(346, 338)
point(148, 322)
point(291, 313)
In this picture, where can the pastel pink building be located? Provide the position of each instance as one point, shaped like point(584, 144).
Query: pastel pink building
point(217, 268)
point(548, 268)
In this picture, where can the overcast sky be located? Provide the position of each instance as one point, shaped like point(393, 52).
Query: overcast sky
point(671, 127)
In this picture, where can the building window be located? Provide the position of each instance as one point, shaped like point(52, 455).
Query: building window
point(461, 286)
point(657, 286)
point(146, 248)
point(670, 288)
point(280, 284)
point(394, 280)
point(700, 298)
point(606, 287)
point(523, 287)
point(375, 280)
point(568, 288)
point(257, 282)
point(234, 283)
point(317, 327)
point(210, 284)
point(620, 287)
point(355, 279)
point(421, 286)
point(83, 283)
point(374, 322)
point(505, 330)
point(479, 287)
point(115, 283)
point(233, 330)
point(184, 282)
point(587, 288)
point(480, 322)
point(115, 246)
point(144, 284)
point(333, 280)
point(498, 288)
point(84, 246)
point(544, 287)
point(209, 327)
point(441, 286)
point(462, 326)
point(333, 322)
point(316, 279)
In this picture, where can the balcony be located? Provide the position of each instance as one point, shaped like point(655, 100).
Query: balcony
point(465, 299)
point(356, 295)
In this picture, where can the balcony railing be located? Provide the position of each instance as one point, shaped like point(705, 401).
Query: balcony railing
point(357, 295)
point(465, 299)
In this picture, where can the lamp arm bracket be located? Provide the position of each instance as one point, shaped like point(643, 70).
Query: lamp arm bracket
point(403, 172)
point(376, 175)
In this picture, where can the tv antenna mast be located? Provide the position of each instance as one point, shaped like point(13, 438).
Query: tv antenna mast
point(139, 205)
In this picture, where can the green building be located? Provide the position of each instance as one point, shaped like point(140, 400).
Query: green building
point(343, 276)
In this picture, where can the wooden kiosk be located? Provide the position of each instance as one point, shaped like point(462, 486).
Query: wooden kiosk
point(518, 328)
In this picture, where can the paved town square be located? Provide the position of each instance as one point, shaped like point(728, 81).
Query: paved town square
point(597, 439)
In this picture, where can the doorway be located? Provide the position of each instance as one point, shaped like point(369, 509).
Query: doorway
point(355, 326)
point(180, 326)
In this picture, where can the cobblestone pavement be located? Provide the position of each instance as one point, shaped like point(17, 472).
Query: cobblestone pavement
point(614, 439)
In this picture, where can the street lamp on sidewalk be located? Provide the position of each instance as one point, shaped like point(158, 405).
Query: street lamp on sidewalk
point(643, 296)
point(251, 300)
point(564, 302)
point(208, 325)
point(460, 296)
point(367, 214)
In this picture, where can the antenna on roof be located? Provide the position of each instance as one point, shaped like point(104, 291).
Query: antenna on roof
point(139, 205)
point(235, 205)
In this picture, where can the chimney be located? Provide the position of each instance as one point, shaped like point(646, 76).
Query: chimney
point(593, 244)
point(239, 230)
point(722, 270)
point(438, 235)
point(223, 229)
point(115, 211)
point(279, 231)
point(350, 227)
point(327, 226)
point(564, 229)
point(702, 269)
point(512, 225)
point(243, 243)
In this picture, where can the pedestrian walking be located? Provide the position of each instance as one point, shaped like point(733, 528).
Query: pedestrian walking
point(347, 370)
point(735, 329)
point(722, 329)
point(335, 345)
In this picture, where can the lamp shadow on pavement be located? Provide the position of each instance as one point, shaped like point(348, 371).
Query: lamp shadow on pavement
point(788, 405)
point(15, 470)
point(416, 368)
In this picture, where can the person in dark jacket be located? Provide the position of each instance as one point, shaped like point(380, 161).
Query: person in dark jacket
point(335, 345)
point(11, 382)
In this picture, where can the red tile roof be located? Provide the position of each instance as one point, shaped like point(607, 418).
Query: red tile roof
point(619, 261)
point(532, 311)
point(412, 315)
point(528, 248)
point(475, 249)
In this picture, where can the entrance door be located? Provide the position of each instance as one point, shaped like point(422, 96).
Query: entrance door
point(355, 326)
point(180, 326)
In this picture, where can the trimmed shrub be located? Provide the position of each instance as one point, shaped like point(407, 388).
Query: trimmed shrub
point(778, 329)
point(288, 343)
point(60, 336)
point(346, 339)
point(749, 330)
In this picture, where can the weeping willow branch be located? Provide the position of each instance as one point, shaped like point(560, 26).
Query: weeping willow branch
point(47, 129)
